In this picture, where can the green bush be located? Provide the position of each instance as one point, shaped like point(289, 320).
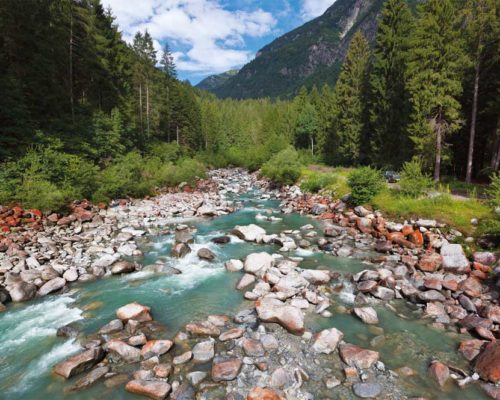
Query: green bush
point(187, 171)
point(365, 184)
point(414, 182)
point(166, 152)
point(317, 181)
point(284, 168)
point(493, 190)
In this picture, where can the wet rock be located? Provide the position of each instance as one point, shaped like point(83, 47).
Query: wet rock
point(226, 370)
point(123, 350)
point(431, 295)
point(180, 250)
point(281, 379)
point(269, 342)
point(231, 334)
point(79, 363)
point(203, 329)
point(454, 259)
point(248, 316)
point(89, 379)
point(484, 333)
point(259, 393)
point(471, 348)
point(488, 362)
point(71, 275)
point(430, 262)
point(206, 254)
point(22, 291)
point(491, 390)
point(367, 390)
point(246, 280)
point(183, 358)
point(113, 326)
point(356, 356)
point(184, 392)
point(204, 351)
point(256, 262)
point(196, 377)
point(122, 267)
point(154, 348)
point(156, 390)
point(316, 276)
point(69, 331)
point(234, 265)
point(366, 286)
point(273, 310)
point(221, 240)
point(162, 370)
point(249, 233)
point(52, 286)
point(383, 293)
point(473, 321)
point(493, 313)
point(383, 246)
point(134, 311)
point(367, 314)
point(326, 341)
point(137, 340)
point(253, 348)
point(440, 372)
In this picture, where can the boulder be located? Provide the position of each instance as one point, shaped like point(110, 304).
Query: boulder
point(134, 311)
point(246, 280)
point(206, 254)
point(113, 326)
point(89, 379)
point(316, 276)
point(273, 310)
point(183, 358)
point(184, 392)
point(290, 284)
point(123, 350)
point(484, 257)
point(122, 267)
point(203, 329)
point(471, 286)
point(226, 370)
point(253, 348)
point(430, 262)
point(157, 390)
point(234, 333)
point(431, 295)
point(180, 250)
point(249, 233)
point(440, 372)
point(71, 275)
point(22, 291)
point(327, 340)
point(52, 286)
point(356, 356)
point(221, 240)
point(207, 210)
point(259, 393)
point(156, 348)
point(79, 363)
point(234, 265)
point(471, 348)
point(488, 362)
point(454, 259)
point(204, 351)
point(258, 262)
point(493, 313)
point(366, 314)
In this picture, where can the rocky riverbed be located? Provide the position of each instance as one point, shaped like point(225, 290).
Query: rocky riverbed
point(279, 343)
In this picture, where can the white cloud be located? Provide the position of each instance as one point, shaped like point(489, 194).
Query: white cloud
point(314, 8)
point(213, 36)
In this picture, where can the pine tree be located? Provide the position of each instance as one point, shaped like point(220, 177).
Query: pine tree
point(434, 79)
point(348, 102)
point(167, 62)
point(388, 110)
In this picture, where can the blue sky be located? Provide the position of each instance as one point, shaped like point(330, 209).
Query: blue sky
point(213, 36)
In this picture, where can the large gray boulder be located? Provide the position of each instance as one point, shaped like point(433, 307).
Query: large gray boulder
point(454, 259)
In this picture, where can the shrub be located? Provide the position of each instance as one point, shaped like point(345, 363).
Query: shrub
point(284, 168)
point(166, 152)
point(365, 184)
point(414, 182)
point(494, 190)
point(317, 181)
point(188, 170)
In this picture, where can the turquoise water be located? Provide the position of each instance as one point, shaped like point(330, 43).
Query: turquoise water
point(29, 346)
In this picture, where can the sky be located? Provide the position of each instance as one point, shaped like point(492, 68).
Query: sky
point(212, 36)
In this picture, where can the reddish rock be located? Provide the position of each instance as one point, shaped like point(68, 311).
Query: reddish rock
point(235, 333)
point(366, 286)
point(416, 238)
point(493, 313)
point(364, 225)
point(53, 218)
point(407, 230)
point(440, 372)
point(82, 214)
point(473, 321)
point(79, 363)
point(471, 348)
point(410, 261)
point(253, 348)
point(471, 286)
point(327, 340)
point(203, 329)
point(430, 262)
point(481, 267)
point(450, 284)
point(392, 236)
point(273, 310)
point(485, 333)
point(488, 362)
point(432, 283)
point(65, 220)
point(155, 348)
point(156, 390)
point(356, 356)
point(491, 390)
point(479, 275)
point(264, 394)
point(134, 311)
point(226, 370)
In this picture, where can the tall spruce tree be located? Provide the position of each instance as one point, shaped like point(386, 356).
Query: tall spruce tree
point(349, 101)
point(167, 62)
point(435, 69)
point(389, 105)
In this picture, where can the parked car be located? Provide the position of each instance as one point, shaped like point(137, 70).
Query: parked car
point(391, 176)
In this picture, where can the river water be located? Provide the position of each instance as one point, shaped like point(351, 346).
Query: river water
point(29, 347)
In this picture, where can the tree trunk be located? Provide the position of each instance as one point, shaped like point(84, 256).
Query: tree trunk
point(168, 114)
point(177, 132)
point(71, 97)
point(495, 158)
point(147, 108)
point(140, 107)
point(312, 145)
point(470, 157)
point(437, 164)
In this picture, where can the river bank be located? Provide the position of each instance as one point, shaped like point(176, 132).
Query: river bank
point(248, 349)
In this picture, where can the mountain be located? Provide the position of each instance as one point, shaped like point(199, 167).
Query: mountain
point(213, 82)
point(311, 54)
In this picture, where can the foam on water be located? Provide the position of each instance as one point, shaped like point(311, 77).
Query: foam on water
point(304, 252)
point(347, 294)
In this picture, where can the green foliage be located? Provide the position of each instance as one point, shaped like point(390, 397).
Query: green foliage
point(166, 152)
point(284, 168)
point(493, 190)
point(365, 184)
point(414, 182)
point(317, 181)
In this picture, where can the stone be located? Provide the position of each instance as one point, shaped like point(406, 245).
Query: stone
point(156, 390)
point(493, 313)
point(122, 267)
point(484, 257)
point(291, 284)
point(71, 275)
point(206, 254)
point(367, 390)
point(430, 262)
point(196, 377)
point(226, 370)
point(356, 356)
point(253, 348)
point(273, 310)
point(221, 240)
point(124, 351)
point(79, 363)
point(137, 340)
point(326, 341)
point(183, 358)
point(249, 233)
point(467, 303)
point(134, 311)
point(180, 250)
point(383, 293)
point(69, 331)
point(316, 276)
point(440, 372)
point(245, 281)
point(89, 379)
point(431, 295)
point(154, 348)
point(203, 329)
point(231, 334)
point(52, 286)
point(184, 392)
point(281, 379)
point(383, 246)
point(471, 286)
point(366, 286)
point(471, 348)
point(416, 238)
point(269, 342)
point(113, 326)
point(257, 262)
point(234, 265)
point(488, 362)
point(259, 393)
point(203, 351)
point(22, 291)
point(367, 314)
point(162, 370)
point(454, 259)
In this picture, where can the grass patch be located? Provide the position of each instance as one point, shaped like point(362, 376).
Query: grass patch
point(321, 178)
point(456, 213)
